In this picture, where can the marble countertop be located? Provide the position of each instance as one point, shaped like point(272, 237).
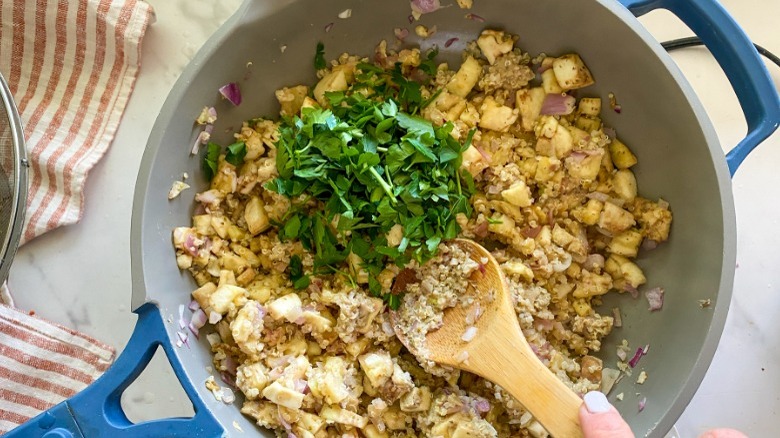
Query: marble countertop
point(72, 276)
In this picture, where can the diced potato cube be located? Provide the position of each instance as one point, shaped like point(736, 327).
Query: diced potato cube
point(252, 379)
point(357, 348)
point(632, 273)
point(232, 262)
point(615, 219)
point(378, 367)
point(561, 237)
point(504, 226)
point(494, 43)
point(581, 306)
point(203, 294)
point(550, 83)
point(626, 243)
point(245, 253)
point(184, 261)
point(588, 124)
point(283, 396)
point(624, 184)
point(336, 80)
point(589, 213)
point(416, 400)
point(529, 104)
point(256, 218)
point(291, 99)
point(336, 414)
point(590, 106)
point(519, 269)
point(450, 104)
point(318, 321)
point(518, 194)
point(286, 307)
point(592, 284)
point(584, 167)
point(395, 235)
point(495, 116)
point(310, 422)
point(227, 297)
point(655, 221)
point(474, 161)
point(562, 142)
point(546, 168)
point(622, 156)
point(220, 225)
point(546, 127)
point(465, 78)
point(326, 380)
point(571, 72)
point(308, 102)
point(202, 224)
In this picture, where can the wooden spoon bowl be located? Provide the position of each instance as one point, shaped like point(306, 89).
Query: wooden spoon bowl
point(499, 352)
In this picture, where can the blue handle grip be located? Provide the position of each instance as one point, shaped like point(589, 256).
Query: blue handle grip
point(738, 58)
point(96, 411)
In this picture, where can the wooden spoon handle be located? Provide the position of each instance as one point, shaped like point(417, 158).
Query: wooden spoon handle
point(513, 365)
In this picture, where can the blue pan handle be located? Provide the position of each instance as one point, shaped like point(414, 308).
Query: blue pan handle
point(738, 58)
point(96, 411)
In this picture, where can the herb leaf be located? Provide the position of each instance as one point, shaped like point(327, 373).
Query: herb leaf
point(236, 153)
point(319, 57)
point(211, 159)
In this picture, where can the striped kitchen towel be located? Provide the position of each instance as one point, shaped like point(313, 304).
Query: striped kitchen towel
point(71, 66)
point(41, 364)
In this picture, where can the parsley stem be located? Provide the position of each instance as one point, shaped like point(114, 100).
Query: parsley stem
point(381, 149)
point(383, 183)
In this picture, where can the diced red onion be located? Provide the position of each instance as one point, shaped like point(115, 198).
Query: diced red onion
point(401, 33)
point(450, 42)
point(631, 289)
point(230, 365)
point(655, 298)
point(469, 334)
point(642, 404)
point(301, 386)
point(556, 104)
point(482, 152)
point(610, 132)
point(207, 197)
point(543, 68)
point(598, 196)
point(284, 422)
point(649, 244)
point(182, 323)
point(328, 27)
point(199, 319)
point(593, 261)
point(481, 229)
point(475, 17)
point(621, 354)
point(411, 18)
point(531, 232)
point(493, 189)
point(190, 246)
point(227, 396)
point(663, 204)
point(231, 93)
point(425, 6)
point(482, 405)
point(202, 138)
point(638, 355)
point(604, 232)
point(617, 108)
point(182, 336)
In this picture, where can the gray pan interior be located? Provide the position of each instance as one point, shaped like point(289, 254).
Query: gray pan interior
point(680, 160)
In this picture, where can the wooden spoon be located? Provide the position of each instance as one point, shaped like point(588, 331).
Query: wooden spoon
point(499, 351)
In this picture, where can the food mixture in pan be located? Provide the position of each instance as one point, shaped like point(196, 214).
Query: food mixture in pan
point(312, 219)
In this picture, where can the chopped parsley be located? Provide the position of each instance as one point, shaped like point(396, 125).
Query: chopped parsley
point(211, 159)
point(369, 166)
point(236, 153)
point(319, 57)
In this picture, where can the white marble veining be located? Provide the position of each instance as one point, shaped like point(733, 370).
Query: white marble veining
point(80, 275)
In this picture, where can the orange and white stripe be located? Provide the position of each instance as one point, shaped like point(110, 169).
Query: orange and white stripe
point(71, 66)
point(41, 364)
